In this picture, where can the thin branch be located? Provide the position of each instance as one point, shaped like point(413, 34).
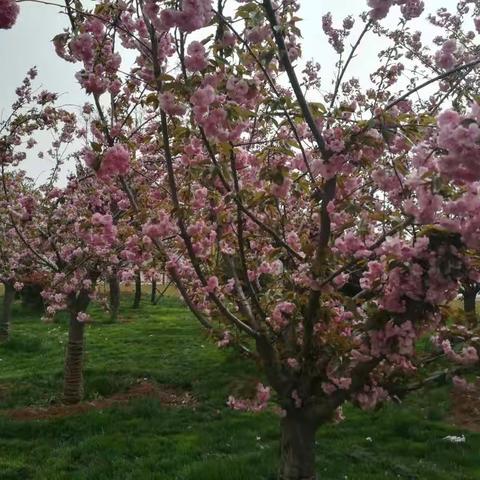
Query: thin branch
point(347, 63)
point(292, 76)
point(395, 102)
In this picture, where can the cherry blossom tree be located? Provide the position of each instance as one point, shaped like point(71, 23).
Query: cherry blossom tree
point(31, 113)
point(15, 262)
point(72, 236)
point(329, 230)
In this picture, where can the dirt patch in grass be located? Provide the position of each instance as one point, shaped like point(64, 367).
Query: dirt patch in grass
point(466, 408)
point(167, 395)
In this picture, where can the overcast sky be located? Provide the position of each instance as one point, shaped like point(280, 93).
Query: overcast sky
point(28, 43)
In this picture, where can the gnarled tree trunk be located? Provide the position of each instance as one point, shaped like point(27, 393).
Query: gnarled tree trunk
point(114, 297)
point(6, 312)
point(138, 290)
point(153, 295)
point(470, 304)
point(297, 447)
point(74, 355)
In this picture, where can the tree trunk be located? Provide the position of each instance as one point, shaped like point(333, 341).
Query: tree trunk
point(297, 447)
point(153, 295)
point(73, 380)
point(6, 313)
point(470, 305)
point(114, 297)
point(138, 290)
point(74, 355)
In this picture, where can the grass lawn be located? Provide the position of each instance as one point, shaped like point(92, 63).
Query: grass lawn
point(145, 439)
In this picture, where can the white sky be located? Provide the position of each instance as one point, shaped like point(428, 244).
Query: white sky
point(28, 43)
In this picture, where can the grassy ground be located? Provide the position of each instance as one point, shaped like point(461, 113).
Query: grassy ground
point(145, 440)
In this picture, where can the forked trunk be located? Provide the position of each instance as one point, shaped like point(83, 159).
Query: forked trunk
point(6, 312)
point(73, 379)
point(297, 447)
point(153, 295)
point(470, 305)
point(138, 290)
point(114, 297)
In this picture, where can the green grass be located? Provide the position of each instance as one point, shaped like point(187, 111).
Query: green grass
point(145, 440)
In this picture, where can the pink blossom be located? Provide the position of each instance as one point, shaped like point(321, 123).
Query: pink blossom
point(258, 34)
point(196, 63)
point(372, 275)
point(200, 196)
point(338, 415)
point(293, 363)
point(468, 355)
point(104, 220)
point(412, 9)
point(194, 15)
point(83, 47)
point(461, 384)
point(83, 317)
point(380, 8)
point(343, 383)
point(8, 13)
point(296, 399)
point(203, 96)
point(460, 137)
point(329, 388)
point(371, 396)
point(258, 404)
point(169, 103)
point(116, 161)
point(446, 57)
point(225, 340)
point(212, 284)
point(196, 60)
point(280, 315)
point(293, 240)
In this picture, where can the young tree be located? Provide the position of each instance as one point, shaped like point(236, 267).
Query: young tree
point(469, 293)
point(328, 231)
point(71, 235)
point(138, 290)
point(113, 296)
point(153, 293)
point(31, 113)
point(11, 260)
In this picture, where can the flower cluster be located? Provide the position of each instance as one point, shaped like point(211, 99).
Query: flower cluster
point(196, 60)
point(8, 13)
point(257, 404)
point(410, 8)
point(193, 15)
point(459, 136)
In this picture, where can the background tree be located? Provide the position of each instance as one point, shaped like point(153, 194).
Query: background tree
point(138, 290)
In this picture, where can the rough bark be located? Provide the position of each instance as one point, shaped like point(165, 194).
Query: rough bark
point(114, 297)
point(297, 447)
point(6, 312)
point(470, 305)
point(153, 295)
point(73, 379)
point(138, 290)
point(74, 355)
